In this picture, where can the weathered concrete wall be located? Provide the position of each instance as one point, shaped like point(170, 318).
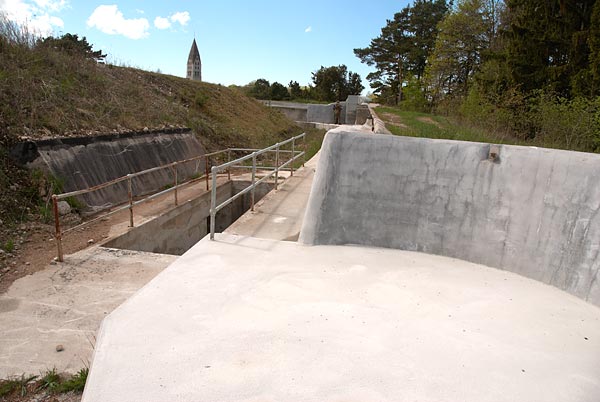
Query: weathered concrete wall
point(88, 161)
point(532, 211)
point(325, 113)
point(294, 113)
point(179, 229)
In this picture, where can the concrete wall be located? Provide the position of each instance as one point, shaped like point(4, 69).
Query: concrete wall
point(532, 211)
point(88, 161)
point(179, 229)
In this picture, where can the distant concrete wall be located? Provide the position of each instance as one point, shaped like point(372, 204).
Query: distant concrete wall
point(88, 161)
point(179, 229)
point(534, 211)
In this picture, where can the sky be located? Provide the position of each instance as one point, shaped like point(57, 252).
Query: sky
point(239, 41)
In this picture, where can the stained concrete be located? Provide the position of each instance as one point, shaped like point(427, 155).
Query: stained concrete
point(64, 305)
point(83, 162)
point(532, 211)
point(245, 319)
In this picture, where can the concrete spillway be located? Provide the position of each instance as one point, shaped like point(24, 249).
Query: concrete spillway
point(532, 211)
point(248, 319)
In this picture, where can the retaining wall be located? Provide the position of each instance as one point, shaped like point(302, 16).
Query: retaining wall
point(84, 162)
point(532, 211)
point(175, 231)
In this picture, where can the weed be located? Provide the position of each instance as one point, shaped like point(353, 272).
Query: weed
point(11, 385)
point(75, 204)
point(9, 246)
point(46, 213)
point(75, 383)
point(50, 381)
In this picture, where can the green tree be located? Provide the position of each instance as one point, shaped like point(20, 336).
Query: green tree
point(548, 46)
point(295, 90)
point(72, 45)
point(464, 35)
point(335, 83)
point(261, 89)
point(279, 92)
point(402, 48)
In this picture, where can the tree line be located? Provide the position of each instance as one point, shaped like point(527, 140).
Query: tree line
point(528, 68)
point(329, 84)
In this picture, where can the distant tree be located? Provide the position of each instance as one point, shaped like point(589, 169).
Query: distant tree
point(295, 90)
point(336, 83)
point(261, 89)
point(279, 92)
point(71, 44)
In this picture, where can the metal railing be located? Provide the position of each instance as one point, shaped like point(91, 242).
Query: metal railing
point(59, 232)
point(214, 208)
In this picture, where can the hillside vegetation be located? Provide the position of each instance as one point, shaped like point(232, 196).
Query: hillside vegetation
point(57, 88)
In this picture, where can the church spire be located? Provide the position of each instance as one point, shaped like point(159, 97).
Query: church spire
point(194, 63)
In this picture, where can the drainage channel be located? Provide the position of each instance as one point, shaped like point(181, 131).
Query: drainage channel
point(180, 228)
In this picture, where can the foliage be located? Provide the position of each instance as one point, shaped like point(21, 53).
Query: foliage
point(335, 83)
point(402, 48)
point(279, 92)
point(75, 383)
point(9, 246)
point(17, 384)
point(50, 381)
point(72, 45)
point(464, 34)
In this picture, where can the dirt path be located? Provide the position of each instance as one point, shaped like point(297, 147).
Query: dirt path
point(35, 246)
point(393, 119)
point(429, 120)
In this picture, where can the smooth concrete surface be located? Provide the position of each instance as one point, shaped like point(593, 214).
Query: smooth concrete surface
point(64, 305)
point(279, 214)
point(532, 211)
point(246, 319)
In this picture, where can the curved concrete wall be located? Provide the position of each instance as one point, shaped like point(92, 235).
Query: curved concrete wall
point(532, 211)
point(88, 161)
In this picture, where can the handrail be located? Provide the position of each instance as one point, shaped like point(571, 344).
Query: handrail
point(176, 184)
point(214, 208)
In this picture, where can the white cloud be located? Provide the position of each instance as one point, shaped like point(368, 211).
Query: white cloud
point(308, 29)
point(183, 17)
point(162, 23)
point(35, 14)
point(108, 19)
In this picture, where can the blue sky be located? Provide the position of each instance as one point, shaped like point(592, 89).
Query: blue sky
point(239, 41)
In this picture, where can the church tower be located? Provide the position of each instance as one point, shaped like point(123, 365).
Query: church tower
point(194, 64)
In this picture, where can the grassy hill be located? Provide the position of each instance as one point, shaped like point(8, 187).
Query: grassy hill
point(49, 91)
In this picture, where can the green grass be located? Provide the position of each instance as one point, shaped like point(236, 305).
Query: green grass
point(17, 384)
point(433, 126)
point(9, 246)
point(50, 381)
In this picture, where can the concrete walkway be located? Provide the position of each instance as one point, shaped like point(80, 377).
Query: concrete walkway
point(247, 319)
point(279, 214)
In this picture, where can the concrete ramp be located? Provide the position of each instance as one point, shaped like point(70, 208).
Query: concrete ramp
point(529, 210)
point(247, 319)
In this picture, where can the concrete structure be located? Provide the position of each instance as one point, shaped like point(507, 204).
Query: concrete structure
point(64, 304)
point(319, 113)
point(194, 64)
point(83, 162)
point(531, 211)
point(279, 214)
point(175, 231)
point(246, 319)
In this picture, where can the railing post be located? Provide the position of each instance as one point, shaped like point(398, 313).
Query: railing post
point(228, 167)
point(206, 170)
point(58, 235)
point(213, 202)
point(276, 166)
point(293, 155)
point(304, 148)
point(130, 195)
point(175, 174)
point(253, 178)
